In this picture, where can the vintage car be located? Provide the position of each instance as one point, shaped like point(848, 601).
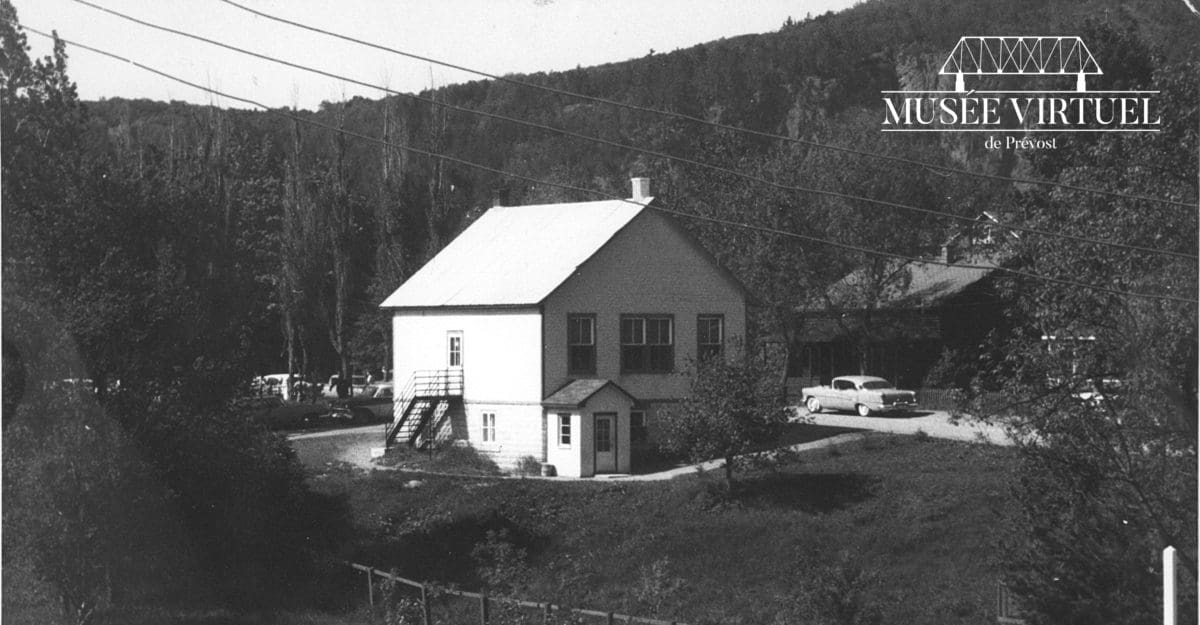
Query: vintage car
point(358, 384)
point(277, 414)
point(863, 394)
point(373, 404)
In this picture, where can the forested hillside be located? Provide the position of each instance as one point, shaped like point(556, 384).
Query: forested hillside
point(381, 212)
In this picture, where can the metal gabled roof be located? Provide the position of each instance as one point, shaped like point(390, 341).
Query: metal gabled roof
point(515, 255)
point(915, 284)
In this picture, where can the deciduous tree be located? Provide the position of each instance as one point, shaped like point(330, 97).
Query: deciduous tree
point(732, 408)
point(1103, 383)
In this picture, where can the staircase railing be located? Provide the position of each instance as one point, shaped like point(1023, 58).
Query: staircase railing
point(424, 384)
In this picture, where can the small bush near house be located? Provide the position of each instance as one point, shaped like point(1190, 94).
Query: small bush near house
point(528, 465)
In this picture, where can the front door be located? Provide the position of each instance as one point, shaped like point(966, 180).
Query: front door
point(605, 432)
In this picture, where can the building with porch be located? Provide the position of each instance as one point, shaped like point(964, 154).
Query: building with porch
point(918, 323)
point(557, 332)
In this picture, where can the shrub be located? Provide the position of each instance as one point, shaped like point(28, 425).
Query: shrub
point(528, 465)
point(500, 563)
point(730, 410)
point(656, 586)
point(81, 511)
point(839, 594)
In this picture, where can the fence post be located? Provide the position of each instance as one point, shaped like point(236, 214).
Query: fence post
point(1168, 561)
point(483, 610)
point(609, 620)
point(371, 587)
point(424, 606)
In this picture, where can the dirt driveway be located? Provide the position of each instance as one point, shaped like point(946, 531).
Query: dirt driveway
point(319, 450)
point(934, 423)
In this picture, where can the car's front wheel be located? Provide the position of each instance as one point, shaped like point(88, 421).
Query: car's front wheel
point(813, 405)
point(863, 410)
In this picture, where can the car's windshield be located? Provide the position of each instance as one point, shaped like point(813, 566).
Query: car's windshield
point(875, 385)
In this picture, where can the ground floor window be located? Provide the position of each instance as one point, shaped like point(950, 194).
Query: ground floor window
point(489, 426)
point(637, 426)
point(564, 430)
point(710, 337)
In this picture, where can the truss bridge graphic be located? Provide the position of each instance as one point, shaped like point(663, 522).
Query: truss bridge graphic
point(1012, 56)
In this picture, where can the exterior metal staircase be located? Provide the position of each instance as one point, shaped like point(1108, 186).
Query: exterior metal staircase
point(425, 399)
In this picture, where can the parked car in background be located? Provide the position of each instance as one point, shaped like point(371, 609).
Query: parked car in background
point(277, 414)
point(357, 384)
point(290, 387)
point(373, 404)
point(863, 394)
point(270, 384)
point(1091, 391)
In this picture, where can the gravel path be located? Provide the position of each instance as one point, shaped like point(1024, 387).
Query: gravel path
point(320, 450)
point(936, 424)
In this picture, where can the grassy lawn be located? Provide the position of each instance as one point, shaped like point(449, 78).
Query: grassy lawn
point(902, 527)
point(467, 462)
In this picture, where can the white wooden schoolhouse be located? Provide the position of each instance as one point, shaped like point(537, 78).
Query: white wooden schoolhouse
point(557, 331)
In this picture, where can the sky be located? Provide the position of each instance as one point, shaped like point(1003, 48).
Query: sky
point(495, 36)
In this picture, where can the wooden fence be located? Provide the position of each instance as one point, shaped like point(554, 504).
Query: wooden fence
point(485, 602)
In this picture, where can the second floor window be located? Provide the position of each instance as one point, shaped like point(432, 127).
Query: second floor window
point(647, 344)
point(454, 349)
point(581, 344)
point(710, 337)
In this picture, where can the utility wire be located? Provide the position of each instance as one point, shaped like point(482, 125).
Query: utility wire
point(632, 148)
point(699, 120)
point(656, 206)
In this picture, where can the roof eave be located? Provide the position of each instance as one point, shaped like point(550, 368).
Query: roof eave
point(528, 306)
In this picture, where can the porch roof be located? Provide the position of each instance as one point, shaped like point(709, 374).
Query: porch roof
point(576, 393)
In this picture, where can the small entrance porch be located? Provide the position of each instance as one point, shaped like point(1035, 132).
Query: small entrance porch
point(586, 425)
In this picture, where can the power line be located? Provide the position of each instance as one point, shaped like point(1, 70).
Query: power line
point(594, 192)
point(698, 120)
point(616, 144)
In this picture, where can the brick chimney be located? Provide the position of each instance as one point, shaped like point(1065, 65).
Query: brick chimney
point(641, 189)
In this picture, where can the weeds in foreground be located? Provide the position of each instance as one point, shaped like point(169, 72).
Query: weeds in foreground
point(838, 595)
point(656, 586)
